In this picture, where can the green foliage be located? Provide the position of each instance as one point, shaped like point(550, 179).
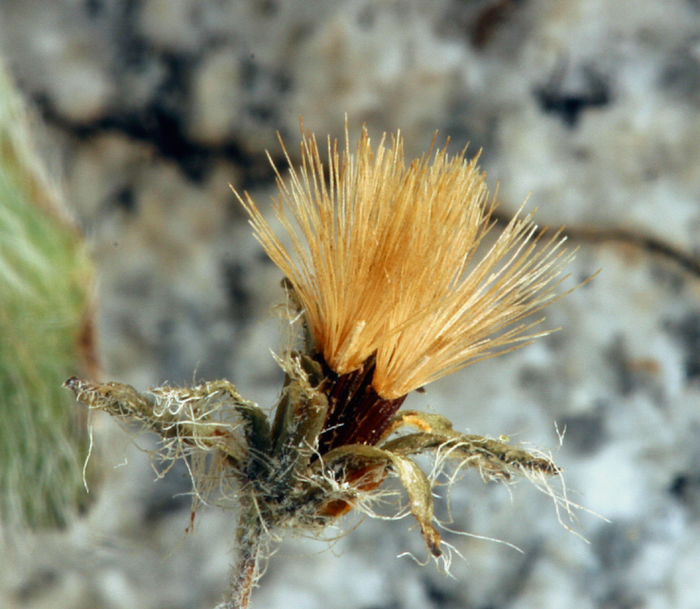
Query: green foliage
point(44, 278)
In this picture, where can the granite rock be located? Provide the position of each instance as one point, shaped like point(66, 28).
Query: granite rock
point(588, 107)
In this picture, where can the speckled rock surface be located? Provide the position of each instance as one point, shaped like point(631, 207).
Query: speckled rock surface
point(591, 107)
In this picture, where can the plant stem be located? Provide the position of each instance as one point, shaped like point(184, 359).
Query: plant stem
point(245, 573)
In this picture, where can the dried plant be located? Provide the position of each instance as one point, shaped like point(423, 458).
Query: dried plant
point(391, 276)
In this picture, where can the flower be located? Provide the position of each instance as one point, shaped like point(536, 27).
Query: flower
point(386, 261)
point(401, 282)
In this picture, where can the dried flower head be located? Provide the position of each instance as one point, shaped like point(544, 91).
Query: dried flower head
point(384, 262)
point(399, 282)
point(391, 267)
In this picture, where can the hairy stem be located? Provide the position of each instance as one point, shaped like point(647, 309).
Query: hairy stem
point(245, 572)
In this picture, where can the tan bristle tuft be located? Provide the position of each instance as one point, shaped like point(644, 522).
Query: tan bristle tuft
point(384, 262)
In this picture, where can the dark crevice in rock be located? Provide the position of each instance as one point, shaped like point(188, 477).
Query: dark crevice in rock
point(162, 118)
point(687, 331)
point(568, 102)
point(685, 488)
point(125, 200)
point(585, 433)
point(237, 293)
point(163, 128)
point(598, 234)
point(493, 16)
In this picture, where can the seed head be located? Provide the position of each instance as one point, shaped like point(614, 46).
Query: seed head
point(400, 282)
point(390, 261)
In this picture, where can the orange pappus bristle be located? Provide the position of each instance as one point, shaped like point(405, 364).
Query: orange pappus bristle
point(389, 262)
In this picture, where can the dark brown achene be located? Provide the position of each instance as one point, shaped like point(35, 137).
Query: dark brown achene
point(357, 414)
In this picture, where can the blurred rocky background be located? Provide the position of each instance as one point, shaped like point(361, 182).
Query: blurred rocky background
point(150, 108)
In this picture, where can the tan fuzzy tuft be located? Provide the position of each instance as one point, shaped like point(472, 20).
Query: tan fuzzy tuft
point(384, 262)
